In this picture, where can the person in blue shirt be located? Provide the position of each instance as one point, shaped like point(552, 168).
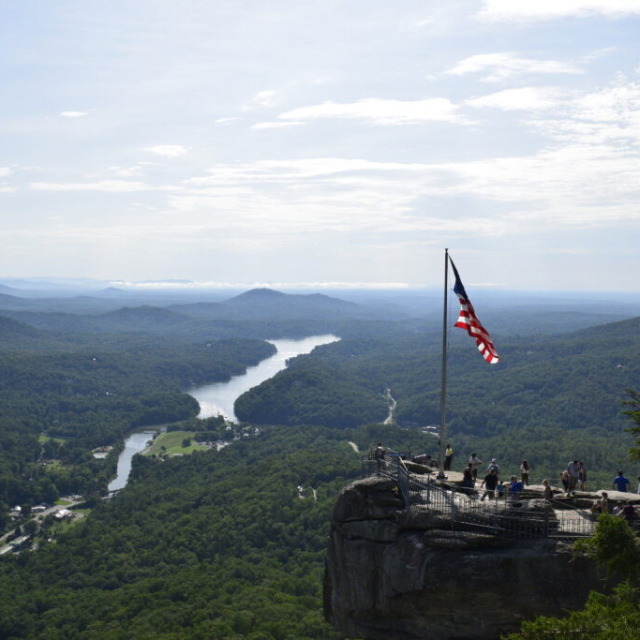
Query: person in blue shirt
point(515, 488)
point(620, 483)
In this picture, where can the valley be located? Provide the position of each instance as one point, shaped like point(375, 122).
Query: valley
point(218, 508)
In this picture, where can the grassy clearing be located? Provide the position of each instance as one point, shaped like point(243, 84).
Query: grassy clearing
point(172, 443)
point(42, 439)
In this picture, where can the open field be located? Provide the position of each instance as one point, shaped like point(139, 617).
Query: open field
point(172, 441)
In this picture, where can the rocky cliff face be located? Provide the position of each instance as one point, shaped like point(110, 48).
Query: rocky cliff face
point(394, 573)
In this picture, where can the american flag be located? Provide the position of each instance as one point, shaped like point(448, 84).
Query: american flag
point(469, 321)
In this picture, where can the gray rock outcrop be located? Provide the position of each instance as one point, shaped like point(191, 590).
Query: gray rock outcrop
point(403, 573)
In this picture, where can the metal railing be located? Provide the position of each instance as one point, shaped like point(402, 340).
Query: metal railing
point(524, 519)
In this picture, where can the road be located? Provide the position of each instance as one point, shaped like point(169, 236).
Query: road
point(42, 515)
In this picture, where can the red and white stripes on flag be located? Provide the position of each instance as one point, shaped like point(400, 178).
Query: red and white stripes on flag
point(469, 321)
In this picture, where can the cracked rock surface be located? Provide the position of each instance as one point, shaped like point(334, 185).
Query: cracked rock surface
point(391, 573)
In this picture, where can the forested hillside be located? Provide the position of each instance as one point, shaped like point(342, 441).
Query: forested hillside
point(217, 544)
point(564, 390)
point(60, 400)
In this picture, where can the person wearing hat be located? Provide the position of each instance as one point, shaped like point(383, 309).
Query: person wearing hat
point(493, 467)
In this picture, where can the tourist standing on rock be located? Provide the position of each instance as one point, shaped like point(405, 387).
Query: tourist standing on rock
point(475, 462)
point(490, 483)
point(378, 455)
point(467, 479)
point(564, 478)
point(378, 452)
point(547, 494)
point(448, 457)
point(515, 487)
point(620, 483)
point(493, 467)
point(572, 470)
point(582, 476)
point(525, 470)
point(501, 489)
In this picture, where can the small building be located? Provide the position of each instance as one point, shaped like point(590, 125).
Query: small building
point(20, 542)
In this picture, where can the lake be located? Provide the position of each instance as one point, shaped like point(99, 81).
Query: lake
point(219, 398)
point(134, 443)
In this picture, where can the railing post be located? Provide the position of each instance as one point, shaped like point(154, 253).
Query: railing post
point(453, 509)
point(546, 519)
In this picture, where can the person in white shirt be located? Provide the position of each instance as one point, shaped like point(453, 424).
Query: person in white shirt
point(572, 468)
point(475, 462)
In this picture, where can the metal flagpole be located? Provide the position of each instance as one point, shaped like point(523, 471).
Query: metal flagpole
point(443, 388)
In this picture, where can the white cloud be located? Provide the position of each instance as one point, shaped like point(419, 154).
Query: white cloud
point(526, 11)
point(127, 172)
point(225, 120)
point(263, 100)
point(502, 66)
point(168, 150)
point(523, 99)
point(566, 251)
point(5, 171)
point(384, 112)
point(276, 125)
point(608, 117)
point(7, 189)
point(108, 186)
point(74, 114)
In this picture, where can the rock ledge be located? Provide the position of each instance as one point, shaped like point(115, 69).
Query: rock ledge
point(391, 573)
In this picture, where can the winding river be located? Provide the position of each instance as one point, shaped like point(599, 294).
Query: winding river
point(219, 398)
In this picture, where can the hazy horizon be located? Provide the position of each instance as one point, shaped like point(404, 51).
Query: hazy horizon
point(193, 288)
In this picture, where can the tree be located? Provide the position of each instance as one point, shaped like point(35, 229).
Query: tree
point(30, 527)
point(615, 548)
point(634, 414)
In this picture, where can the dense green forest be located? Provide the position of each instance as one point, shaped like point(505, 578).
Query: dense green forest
point(212, 545)
point(222, 544)
point(80, 397)
point(551, 398)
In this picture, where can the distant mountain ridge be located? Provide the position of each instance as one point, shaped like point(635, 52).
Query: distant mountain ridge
point(16, 335)
point(269, 304)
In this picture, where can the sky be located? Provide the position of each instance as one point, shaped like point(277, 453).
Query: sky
point(343, 141)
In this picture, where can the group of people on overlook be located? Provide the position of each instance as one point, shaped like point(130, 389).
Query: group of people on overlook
point(493, 485)
point(572, 478)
